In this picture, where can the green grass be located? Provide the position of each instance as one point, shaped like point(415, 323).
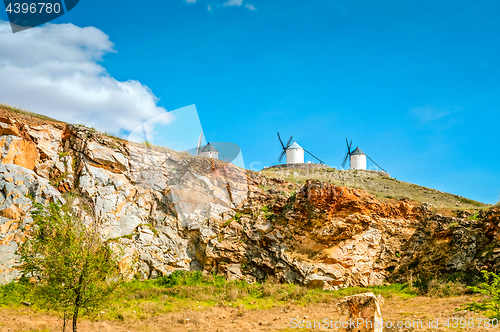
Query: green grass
point(183, 290)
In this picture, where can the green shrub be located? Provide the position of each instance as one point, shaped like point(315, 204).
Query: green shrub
point(74, 269)
point(475, 216)
point(14, 293)
point(489, 305)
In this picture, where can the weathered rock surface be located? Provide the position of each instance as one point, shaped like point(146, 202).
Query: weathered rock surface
point(19, 187)
point(364, 310)
point(173, 211)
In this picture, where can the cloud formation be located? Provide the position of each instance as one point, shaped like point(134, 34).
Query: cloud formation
point(428, 114)
point(54, 70)
point(227, 3)
point(233, 3)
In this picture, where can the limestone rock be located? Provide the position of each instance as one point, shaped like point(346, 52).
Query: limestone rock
point(18, 186)
point(364, 309)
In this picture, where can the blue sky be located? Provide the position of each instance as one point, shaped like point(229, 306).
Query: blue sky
point(416, 85)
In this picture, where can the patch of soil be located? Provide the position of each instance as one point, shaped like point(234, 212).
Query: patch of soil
point(228, 319)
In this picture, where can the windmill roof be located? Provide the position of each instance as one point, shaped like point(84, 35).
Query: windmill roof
point(358, 151)
point(294, 146)
point(208, 148)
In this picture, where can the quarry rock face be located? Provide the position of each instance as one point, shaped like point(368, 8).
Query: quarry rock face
point(171, 211)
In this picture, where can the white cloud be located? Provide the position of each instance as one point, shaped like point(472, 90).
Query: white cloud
point(233, 3)
point(54, 70)
point(250, 6)
point(428, 114)
point(190, 1)
point(209, 8)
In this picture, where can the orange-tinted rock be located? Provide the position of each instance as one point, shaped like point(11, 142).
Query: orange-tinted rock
point(19, 151)
point(12, 212)
point(343, 201)
point(5, 227)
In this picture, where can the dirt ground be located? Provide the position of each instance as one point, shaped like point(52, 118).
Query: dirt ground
point(228, 319)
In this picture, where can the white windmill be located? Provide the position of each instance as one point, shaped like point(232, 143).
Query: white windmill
point(207, 150)
point(294, 152)
point(357, 158)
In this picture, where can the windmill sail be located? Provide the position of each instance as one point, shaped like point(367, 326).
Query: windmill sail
point(284, 147)
point(198, 147)
point(348, 154)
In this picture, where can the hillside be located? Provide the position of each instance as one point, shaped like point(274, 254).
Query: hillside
point(169, 211)
point(376, 183)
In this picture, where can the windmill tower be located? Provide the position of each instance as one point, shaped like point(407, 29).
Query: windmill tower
point(357, 158)
point(294, 152)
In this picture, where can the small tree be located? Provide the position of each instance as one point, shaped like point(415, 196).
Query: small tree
point(74, 269)
point(490, 306)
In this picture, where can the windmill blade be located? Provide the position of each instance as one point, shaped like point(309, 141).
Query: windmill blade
point(348, 146)
point(321, 162)
point(345, 160)
point(288, 143)
point(198, 147)
point(376, 164)
point(281, 155)
point(145, 135)
point(280, 140)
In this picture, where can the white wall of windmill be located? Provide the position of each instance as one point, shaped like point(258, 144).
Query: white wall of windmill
point(295, 156)
point(358, 161)
point(210, 154)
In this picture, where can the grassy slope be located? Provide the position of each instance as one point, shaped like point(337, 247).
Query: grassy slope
point(27, 113)
point(377, 184)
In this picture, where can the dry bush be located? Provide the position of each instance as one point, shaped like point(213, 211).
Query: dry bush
point(233, 293)
point(145, 294)
point(166, 299)
point(437, 288)
point(198, 293)
point(270, 289)
point(126, 316)
point(151, 307)
point(241, 311)
point(297, 292)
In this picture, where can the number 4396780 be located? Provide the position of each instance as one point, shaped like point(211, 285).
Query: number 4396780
point(471, 322)
point(33, 8)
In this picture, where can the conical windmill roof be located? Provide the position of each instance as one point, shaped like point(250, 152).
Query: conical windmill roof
point(208, 148)
point(294, 146)
point(358, 152)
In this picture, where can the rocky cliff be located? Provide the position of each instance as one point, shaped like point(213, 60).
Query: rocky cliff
point(171, 211)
